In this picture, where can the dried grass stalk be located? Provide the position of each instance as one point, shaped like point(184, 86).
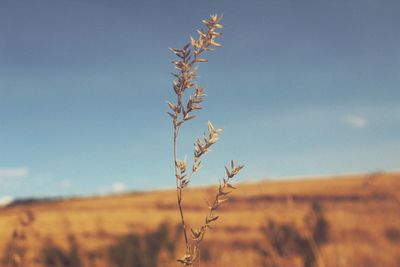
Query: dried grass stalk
point(181, 111)
point(20, 236)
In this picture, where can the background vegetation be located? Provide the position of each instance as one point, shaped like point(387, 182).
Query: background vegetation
point(347, 221)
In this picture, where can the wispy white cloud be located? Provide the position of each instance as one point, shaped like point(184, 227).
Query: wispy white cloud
point(355, 121)
point(118, 187)
point(4, 201)
point(18, 172)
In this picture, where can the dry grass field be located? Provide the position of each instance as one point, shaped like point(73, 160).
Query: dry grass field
point(329, 222)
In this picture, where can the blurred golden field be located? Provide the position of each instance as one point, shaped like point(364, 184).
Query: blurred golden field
point(263, 224)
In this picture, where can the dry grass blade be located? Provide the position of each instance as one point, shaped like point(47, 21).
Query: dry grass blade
point(181, 111)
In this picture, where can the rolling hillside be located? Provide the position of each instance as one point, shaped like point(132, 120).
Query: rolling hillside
point(263, 224)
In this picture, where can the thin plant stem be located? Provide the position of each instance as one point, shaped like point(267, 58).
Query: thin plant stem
point(179, 190)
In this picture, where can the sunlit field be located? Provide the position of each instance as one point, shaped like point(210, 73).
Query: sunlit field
point(270, 223)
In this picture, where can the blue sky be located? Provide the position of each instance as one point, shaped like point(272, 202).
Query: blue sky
point(300, 88)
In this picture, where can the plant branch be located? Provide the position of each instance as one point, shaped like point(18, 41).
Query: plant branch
point(179, 189)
